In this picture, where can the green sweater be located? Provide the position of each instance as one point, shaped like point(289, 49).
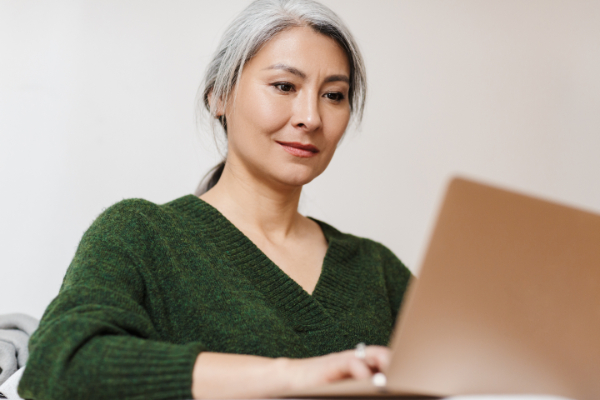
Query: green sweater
point(151, 286)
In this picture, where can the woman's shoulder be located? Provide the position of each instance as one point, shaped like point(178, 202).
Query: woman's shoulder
point(129, 233)
point(138, 220)
point(129, 211)
point(128, 208)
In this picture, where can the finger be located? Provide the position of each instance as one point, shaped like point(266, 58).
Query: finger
point(358, 369)
point(377, 358)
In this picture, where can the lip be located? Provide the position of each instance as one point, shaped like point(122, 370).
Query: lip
point(299, 150)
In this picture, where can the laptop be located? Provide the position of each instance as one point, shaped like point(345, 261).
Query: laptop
point(507, 302)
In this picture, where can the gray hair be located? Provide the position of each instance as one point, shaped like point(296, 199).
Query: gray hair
point(253, 28)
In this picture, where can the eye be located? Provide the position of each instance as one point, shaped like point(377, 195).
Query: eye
point(284, 86)
point(335, 96)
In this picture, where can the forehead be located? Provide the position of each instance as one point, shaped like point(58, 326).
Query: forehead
point(304, 49)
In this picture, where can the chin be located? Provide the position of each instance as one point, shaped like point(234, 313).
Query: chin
point(294, 181)
point(295, 176)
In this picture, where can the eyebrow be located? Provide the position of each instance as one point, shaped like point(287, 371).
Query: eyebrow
point(338, 78)
point(289, 69)
point(297, 72)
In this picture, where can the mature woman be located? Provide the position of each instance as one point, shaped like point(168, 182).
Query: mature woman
point(233, 293)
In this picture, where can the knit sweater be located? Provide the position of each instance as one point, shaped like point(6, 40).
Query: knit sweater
point(151, 286)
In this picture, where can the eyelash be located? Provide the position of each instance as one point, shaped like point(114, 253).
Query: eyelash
point(339, 96)
point(279, 84)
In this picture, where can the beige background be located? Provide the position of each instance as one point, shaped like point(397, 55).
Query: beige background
point(97, 105)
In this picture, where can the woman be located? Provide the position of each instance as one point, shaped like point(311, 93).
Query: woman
point(233, 293)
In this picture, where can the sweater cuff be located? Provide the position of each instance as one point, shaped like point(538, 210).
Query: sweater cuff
point(149, 369)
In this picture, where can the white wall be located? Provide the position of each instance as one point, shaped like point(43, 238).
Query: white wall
point(97, 105)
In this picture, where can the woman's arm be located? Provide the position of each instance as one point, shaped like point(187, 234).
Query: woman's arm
point(98, 344)
point(218, 375)
point(96, 339)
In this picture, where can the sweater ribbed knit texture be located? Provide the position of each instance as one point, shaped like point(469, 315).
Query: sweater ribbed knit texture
point(151, 286)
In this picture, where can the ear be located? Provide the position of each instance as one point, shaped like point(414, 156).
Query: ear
point(220, 109)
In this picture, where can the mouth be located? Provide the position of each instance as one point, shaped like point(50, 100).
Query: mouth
point(299, 149)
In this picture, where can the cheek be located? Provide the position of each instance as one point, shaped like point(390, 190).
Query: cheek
point(262, 112)
point(337, 122)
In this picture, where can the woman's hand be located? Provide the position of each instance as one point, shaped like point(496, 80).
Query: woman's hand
point(220, 375)
point(316, 371)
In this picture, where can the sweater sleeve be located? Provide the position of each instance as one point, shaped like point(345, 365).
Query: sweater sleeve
point(96, 340)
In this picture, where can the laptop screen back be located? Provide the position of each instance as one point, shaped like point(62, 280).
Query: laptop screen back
point(507, 300)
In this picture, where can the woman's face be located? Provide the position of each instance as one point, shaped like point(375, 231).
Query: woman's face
point(291, 108)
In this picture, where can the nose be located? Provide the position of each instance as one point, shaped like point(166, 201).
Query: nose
point(307, 115)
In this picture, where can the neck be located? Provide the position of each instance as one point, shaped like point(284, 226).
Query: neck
point(268, 209)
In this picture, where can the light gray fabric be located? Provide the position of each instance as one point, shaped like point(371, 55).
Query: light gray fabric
point(18, 339)
point(21, 322)
point(8, 361)
point(15, 330)
point(9, 388)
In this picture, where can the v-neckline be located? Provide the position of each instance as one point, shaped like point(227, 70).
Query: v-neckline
point(331, 294)
point(239, 232)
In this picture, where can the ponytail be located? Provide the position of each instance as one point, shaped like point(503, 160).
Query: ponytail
point(210, 179)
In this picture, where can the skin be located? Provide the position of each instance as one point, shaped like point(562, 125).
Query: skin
point(294, 90)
